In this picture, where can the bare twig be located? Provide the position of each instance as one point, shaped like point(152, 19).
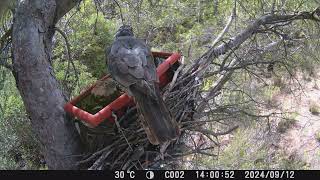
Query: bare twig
point(121, 15)
point(225, 29)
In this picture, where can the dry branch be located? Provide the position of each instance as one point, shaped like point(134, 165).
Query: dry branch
point(70, 61)
point(184, 97)
point(253, 28)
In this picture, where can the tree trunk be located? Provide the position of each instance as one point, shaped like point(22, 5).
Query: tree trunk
point(32, 42)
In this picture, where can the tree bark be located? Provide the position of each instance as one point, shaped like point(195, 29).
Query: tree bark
point(33, 29)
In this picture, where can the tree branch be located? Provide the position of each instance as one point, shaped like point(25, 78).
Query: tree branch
point(64, 6)
point(219, 83)
point(70, 61)
point(225, 29)
point(254, 27)
point(238, 40)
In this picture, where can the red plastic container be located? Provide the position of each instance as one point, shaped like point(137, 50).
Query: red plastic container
point(164, 71)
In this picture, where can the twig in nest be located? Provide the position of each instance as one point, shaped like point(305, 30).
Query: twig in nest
point(174, 79)
point(175, 76)
point(100, 160)
point(107, 148)
point(120, 129)
point(217, 86)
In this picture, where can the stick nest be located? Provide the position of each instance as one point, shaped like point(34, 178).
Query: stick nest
point(124, 144)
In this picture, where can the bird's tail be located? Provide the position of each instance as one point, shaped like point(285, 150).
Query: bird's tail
point(157, 120)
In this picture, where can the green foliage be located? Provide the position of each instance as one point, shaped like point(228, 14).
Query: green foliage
point(284, 162)
point(5, 7)
point(70, 83)
point(243, 153)
point(269, 94)
point(207, 84)
point(18, 145)
point(89, 34)
point(247, 151)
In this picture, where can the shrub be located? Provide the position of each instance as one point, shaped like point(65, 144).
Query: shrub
point(285, 124)
point(314, 108)
point(317, 136)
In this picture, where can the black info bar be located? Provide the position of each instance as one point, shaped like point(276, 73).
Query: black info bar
point(166, 174)
point(217, 174)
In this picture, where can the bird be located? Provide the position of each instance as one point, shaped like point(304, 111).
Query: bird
point(131, 64)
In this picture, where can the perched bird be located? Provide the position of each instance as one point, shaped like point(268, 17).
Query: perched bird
point(131, 64)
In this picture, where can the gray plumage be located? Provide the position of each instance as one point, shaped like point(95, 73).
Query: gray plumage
point(131, 64)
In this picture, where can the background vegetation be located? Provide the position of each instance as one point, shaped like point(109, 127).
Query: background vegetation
point(185, 26)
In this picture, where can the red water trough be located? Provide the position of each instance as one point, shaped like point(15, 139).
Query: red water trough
point(164, 71)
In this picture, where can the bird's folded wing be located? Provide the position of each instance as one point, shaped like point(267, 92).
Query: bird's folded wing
point(131, 63)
